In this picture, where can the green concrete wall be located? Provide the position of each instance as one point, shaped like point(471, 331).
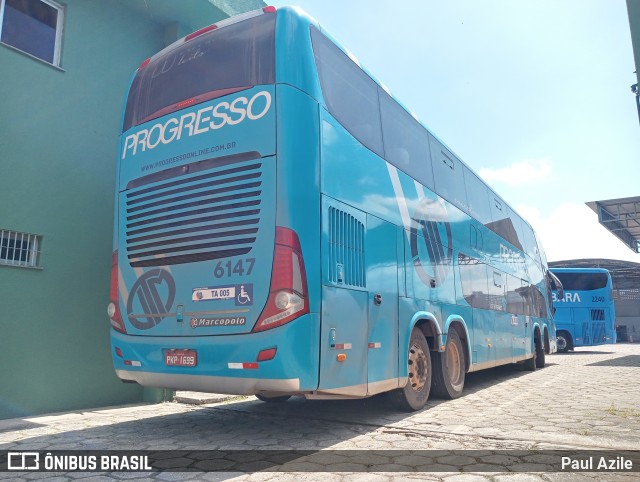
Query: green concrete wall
point(58, 143)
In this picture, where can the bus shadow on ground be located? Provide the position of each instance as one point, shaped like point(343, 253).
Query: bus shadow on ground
point(297, 424)
point(585, 352)
point(623, 361)
point(14, 425)
point(376, 410)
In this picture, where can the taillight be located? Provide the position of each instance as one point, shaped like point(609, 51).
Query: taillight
point(269, 9)
point(113, 310)
point(197, 33)
point(144, 64)
point(288, 298)
point(185, 103)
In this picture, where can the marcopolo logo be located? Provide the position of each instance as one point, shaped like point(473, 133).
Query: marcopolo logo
point(151, 298)
point(431, 232)
point(198, 122)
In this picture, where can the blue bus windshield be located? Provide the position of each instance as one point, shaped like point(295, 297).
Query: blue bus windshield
point(587, 281)
point(222, 61)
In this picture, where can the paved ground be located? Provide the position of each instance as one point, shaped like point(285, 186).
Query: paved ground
point(587, 400)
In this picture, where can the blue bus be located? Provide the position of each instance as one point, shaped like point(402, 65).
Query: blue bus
point(284, 226)
point(585, 315)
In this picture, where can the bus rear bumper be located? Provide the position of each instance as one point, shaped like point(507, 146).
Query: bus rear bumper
point(225, 363)
point(210, 384)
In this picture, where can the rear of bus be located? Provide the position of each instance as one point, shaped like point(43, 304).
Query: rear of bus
point(209, 285)
point(585, 316)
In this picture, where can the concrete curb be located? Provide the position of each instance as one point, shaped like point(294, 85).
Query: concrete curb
point(198, 398)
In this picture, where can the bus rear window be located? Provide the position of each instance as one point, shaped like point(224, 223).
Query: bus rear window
point(583, 281)
point(225, 60)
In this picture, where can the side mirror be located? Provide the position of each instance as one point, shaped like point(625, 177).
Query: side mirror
point(556, 284)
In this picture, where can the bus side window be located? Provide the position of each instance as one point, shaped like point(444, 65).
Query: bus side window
point(497, 292)
point(530, 244)
point(448, 176)
point(539, 306)
point(475, 237)
point(406, 142)
point(516, 295)
point(474, 281)
point(350, 94)
point(478, 197)
point(515, 235)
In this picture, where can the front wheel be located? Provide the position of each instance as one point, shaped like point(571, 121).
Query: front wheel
point(415, 393)
point(449, 368)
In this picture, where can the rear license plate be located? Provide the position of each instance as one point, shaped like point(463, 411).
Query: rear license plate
point(181, 358)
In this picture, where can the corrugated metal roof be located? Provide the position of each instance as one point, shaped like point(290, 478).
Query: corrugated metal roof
point(622, 218)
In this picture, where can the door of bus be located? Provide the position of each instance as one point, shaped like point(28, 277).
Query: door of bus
point(382, 284)
point(359, 344)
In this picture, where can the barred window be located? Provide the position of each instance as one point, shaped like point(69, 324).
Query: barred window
point(19, 249)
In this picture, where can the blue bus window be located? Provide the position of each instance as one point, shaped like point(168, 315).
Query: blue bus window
point(406, 142)
point(448, 175)
point(478, 197)
point(350, 94)
point(473, 278)
point(192, 72)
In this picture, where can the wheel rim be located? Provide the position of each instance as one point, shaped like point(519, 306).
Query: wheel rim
point(453, 364)
point(561, 342)
point(418, 368)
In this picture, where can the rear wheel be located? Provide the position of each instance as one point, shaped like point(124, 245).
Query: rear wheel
point(449, 368)
point(280, 399)
point(563, 341)
point(415, 393)
point(540, 355)
point(530, 364)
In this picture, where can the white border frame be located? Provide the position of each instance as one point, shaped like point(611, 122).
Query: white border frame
point(57, 48)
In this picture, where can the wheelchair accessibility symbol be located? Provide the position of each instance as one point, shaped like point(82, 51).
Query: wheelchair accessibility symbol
point(244, 295)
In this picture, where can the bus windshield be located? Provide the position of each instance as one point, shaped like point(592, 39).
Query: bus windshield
point(219, 62)
point(583, 281)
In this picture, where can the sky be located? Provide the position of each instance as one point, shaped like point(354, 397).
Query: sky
point(534, 95)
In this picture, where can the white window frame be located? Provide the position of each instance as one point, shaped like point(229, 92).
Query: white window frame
point(57, 49)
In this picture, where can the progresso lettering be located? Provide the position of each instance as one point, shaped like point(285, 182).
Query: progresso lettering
point(197, 122)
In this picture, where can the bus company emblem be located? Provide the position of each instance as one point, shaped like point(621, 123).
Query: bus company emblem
point(431, 221)
point(153, 294)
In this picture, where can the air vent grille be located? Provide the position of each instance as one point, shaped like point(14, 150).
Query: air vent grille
point(346, 249)
point(190, 218)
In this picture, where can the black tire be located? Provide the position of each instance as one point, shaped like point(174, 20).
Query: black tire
point(415, 393)
point(540, 354)
point(563, 341)
point(280, 399)
point(449, 368)
point(530, 364)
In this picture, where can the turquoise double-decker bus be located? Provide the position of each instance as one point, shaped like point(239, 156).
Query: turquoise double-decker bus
point(585, 315)
point(284, 226)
